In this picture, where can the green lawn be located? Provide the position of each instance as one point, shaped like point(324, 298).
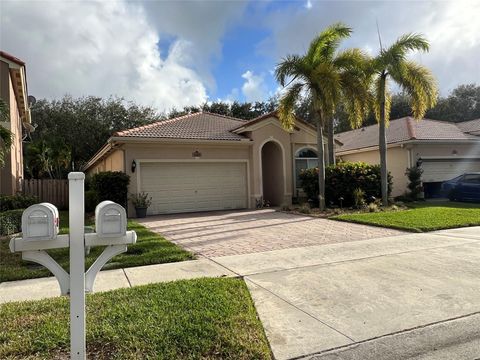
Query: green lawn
point(188, 319)
point(150, 248)
point(421, 217)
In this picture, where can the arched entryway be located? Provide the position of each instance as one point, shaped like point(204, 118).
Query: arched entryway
point(272, 173)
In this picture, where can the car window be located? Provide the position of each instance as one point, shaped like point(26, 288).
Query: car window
point(472, 179)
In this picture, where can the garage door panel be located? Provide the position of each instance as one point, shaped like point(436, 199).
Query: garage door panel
point(188, 187)
point(442, 170)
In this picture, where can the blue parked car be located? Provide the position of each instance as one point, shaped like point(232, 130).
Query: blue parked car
point(465, 187)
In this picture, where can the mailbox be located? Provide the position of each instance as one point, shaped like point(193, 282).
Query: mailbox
point(40, 222)
point(110, 220)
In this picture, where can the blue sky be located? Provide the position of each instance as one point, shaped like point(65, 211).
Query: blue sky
point(175, 53)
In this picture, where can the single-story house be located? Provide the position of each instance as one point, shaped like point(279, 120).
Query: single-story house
point(13, 91)
point(443, 149)
point(205, 161)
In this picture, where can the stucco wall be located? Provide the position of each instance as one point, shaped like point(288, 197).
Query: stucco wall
point(397, 163)
point(12, 172)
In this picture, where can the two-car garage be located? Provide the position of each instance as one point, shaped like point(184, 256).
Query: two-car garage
point(189, 186)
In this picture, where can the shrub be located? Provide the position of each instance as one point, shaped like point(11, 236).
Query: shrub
point(17, 201)
point(11, 222)
point(414, 175)
point(141, 200)
point(359, 198)
point(305, 209)
point(91, 200)
point(111, 185)
point(342, 179)
point(373, 207)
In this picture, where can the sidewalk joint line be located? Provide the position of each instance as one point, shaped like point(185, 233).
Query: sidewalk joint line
point(301, 310)
point(126, 276)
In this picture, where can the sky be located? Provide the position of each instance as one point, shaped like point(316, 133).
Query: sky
point(179, 53)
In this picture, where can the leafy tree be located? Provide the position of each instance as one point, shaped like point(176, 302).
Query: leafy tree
point(84, 124)
point(325, 76)
point(416, 81)
point(462, 104)
point(5, 134)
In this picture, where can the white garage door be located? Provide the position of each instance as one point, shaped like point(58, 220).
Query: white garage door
point(188, 187)
point(441, 170)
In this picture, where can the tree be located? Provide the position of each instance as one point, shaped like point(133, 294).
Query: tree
point(324, 76)
point(5, 134)
point(416, 81)
point(462, 104)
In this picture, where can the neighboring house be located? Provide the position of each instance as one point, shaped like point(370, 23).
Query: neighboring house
point(205, 161)
point(13, 90)
point(445, 150)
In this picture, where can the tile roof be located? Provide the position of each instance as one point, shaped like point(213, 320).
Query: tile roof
point(199, 126)
point(408, 128)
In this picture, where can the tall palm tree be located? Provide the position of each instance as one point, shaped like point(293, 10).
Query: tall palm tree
point(5, 134)
point(414, 79)
point(325, 75)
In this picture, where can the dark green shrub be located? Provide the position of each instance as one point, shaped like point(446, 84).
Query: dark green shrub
point(17, 201)
point(91, 200)
point(111, 185)
point(414, 175)
point(10, 222)
point(342, 179)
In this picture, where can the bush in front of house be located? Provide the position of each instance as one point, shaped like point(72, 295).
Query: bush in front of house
point(10, 222)
point(341, 181)
point(414, 175)
point(111, 185)
point(17, 201)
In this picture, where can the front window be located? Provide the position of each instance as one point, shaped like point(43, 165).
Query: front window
point(304, 159)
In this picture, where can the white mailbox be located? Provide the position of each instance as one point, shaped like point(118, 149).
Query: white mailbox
point(40, 222)
point(110, 219)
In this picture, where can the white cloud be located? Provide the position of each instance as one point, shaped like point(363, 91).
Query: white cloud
point(254, 88)
point(452, 27)
point(101, 48)
point(308, 4)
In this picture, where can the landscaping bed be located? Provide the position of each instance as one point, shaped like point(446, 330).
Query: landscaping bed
point(420, 217)
point(188, 319)
point(150, 248)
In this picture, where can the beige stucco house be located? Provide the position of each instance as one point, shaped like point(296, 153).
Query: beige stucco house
point(205, 161)
point(13, 90)
point(445, 150)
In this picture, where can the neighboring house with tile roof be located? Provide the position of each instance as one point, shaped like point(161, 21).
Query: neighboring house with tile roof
point(13, 90)
point(206, 161)
point(446, 149)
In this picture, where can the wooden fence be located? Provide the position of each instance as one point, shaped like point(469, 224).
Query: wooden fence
point(52, 191)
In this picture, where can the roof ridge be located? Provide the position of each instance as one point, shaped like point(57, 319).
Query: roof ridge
point(159, 122)
point(224, 116)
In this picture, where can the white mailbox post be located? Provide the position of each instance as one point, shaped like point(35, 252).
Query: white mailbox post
point(40, 224)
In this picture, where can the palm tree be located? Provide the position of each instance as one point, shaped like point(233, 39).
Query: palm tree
point(414, 79)
point(5, 134)
point(325, 76)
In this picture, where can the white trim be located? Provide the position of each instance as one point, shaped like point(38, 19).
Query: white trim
point(271, 138)
point(246, 161)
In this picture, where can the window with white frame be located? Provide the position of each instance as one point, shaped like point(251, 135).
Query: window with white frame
point(304, 159)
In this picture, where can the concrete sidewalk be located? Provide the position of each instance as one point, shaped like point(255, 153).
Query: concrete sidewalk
point(35, 289)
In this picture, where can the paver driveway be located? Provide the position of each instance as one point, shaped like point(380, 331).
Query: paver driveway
point(249, 231)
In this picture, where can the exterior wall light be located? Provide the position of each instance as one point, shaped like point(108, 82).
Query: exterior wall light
point(419, 162)
point(134, 165)
point(196, 154)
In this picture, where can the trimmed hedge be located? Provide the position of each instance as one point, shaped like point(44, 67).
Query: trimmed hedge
point(111, 185)
point(10, 222)
point(18, 201)
point(342, 179)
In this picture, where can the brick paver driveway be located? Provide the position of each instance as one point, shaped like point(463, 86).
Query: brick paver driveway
point(241, 232)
